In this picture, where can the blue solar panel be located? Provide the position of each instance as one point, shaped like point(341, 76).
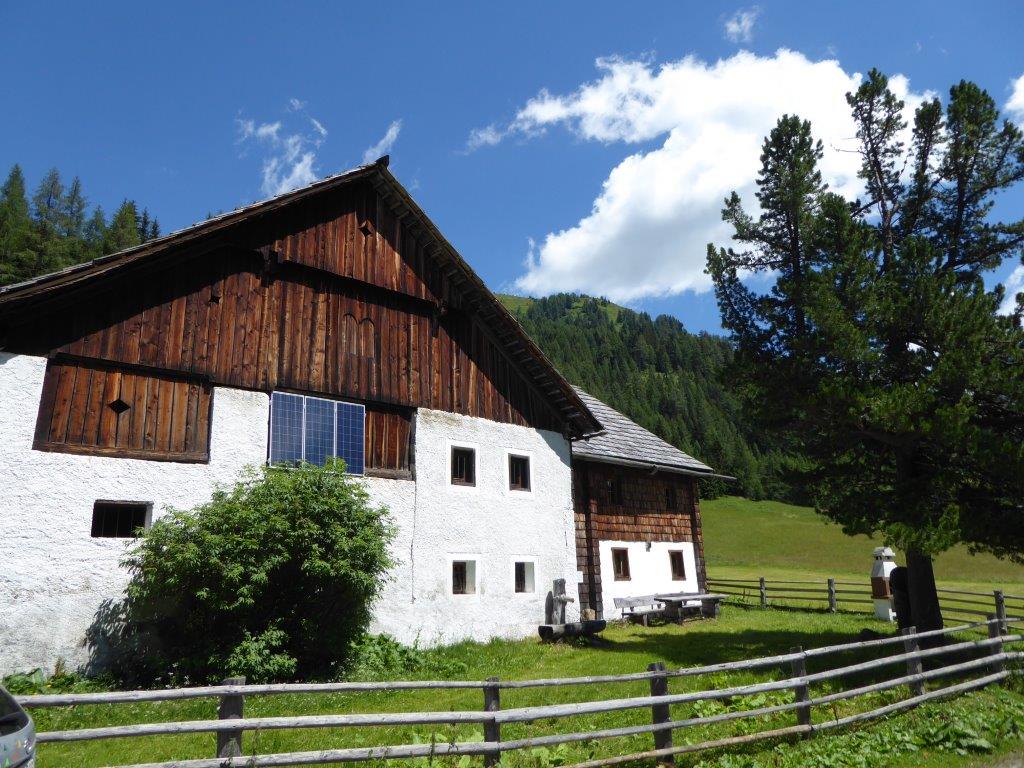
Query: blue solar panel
point(319, 437)
point(312, 429)
point(285, 428)
point(351, 424)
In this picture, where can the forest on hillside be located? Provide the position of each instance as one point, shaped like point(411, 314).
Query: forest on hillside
point(661, 376)
point(53, 228)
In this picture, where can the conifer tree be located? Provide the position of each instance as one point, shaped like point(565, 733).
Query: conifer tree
point(123, 231)
point(15, 228)
point(878, 354)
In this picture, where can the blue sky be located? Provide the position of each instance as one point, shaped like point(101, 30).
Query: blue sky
point(594, 140)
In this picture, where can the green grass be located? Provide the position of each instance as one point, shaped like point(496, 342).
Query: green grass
point(739, 633)
point(744, 538)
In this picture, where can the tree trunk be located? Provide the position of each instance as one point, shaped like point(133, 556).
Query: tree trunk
point(924, 600)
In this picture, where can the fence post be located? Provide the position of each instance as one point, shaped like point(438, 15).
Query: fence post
point(1000, 610)
point(229, 741)
point(492, 728)
point(832, 596)
point(995, 632)
point(660, 712)
point(764, 592)
point(910, 645)
point(800, 691)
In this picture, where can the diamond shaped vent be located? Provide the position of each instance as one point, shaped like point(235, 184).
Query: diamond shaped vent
point(118, 406)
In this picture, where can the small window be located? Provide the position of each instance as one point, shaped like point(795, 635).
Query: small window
point(463, 577)
point(519, 473)
point(670, 497)
point(463, 466)
point(620, 564)
point(119, 519)
point(675, 558)
point(615, 490)
point(524, 577)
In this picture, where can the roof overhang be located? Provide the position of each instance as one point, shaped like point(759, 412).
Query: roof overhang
point(651, 467)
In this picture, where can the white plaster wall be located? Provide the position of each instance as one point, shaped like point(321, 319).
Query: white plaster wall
point(489, 523)
point(53, 575)
point(650, 571)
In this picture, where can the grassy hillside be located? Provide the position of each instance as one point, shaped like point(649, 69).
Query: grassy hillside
point(744, 538)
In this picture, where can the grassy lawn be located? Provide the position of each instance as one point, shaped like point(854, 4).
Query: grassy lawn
point(747, 539)
point(739, 633)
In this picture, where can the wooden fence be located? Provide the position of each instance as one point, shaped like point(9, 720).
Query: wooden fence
point(920, 667)
point(957, 605)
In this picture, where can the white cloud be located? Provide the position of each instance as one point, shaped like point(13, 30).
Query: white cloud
point(294, 105)
point(383, 146)
point(487, 136)
point(739, 28)
point(289, 155)
point(1015, 106)
point(1014, 284)
point(648, 229)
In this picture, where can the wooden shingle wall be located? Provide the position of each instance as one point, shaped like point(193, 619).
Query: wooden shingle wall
point(636, 511)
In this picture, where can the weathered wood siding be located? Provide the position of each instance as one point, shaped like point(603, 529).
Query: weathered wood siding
point(641, 513)
point(330, 297)
point(98, 408)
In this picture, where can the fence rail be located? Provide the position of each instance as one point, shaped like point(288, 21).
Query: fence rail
point(976, 662)
point(957, 603)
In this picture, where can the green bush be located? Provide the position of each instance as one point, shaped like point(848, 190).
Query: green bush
point(273, 579)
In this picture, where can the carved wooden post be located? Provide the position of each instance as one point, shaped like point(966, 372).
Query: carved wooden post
point(229, 741)
point(995, 633)
point(800, 691)
point(660, 712)
point(492, 729)
point(1000, 600)
point(764, 592)
point(832, 606)
point(910, 645)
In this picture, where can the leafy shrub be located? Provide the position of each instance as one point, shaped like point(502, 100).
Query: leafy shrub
point(273, 577)
point(381, 657)
point(61, 681)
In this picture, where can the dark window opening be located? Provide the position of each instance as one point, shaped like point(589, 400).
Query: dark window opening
point(620, 564)
point(678, 566)
point(119, 519)
point(519, 473)
point(670, 498)
point(463, 577)
point(615, 490)
point(463, 466)
point(524, 577)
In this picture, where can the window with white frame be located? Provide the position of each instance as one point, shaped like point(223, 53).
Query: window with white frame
point(463, 577)
point(524, 577)
point(313, 429)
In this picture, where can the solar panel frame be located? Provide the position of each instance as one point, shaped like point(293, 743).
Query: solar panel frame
point(316, 430)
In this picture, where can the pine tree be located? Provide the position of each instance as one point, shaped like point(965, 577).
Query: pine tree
point(901, 388)
point(123, 231)
point(73, 205)
point(46, 204)
point(15, 228)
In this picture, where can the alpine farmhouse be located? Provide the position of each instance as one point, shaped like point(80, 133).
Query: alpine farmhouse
point(332, 320)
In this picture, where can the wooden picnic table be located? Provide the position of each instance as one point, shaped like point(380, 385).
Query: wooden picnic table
point(675, 603)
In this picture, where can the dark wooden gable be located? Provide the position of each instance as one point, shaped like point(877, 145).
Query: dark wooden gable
point(333, 296)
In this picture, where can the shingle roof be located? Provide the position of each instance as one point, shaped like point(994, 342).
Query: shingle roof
point(626, 441)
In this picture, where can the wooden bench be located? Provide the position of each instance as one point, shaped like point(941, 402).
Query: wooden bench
point(677, 604)
point(640, 608)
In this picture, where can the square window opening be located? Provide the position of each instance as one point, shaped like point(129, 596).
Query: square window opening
point(463, 466)
point(524, 577)
point(620, 564)
point(119, 519)
point(463, 577)
point(519, 473)
point(675, 558)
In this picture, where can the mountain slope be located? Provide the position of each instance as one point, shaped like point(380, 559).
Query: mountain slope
point(661, 376)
